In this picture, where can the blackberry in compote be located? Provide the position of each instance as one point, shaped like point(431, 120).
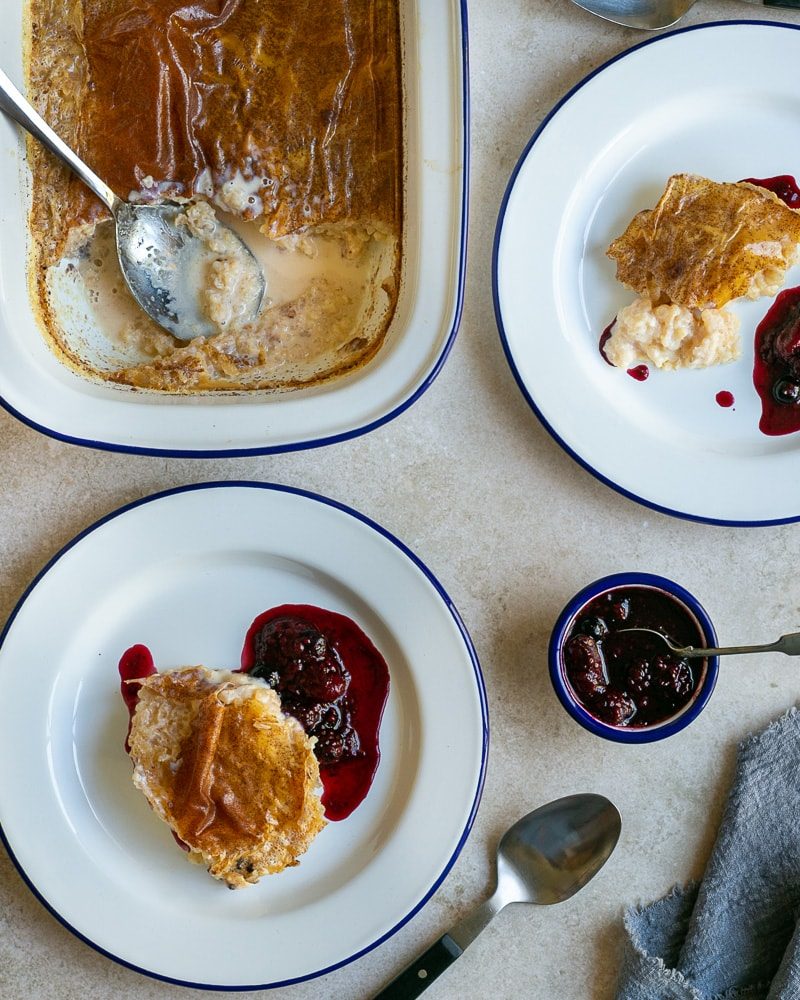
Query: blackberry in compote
point(334, 681)
point(626, 678)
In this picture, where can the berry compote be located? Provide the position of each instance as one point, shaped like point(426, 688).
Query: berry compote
point(629, 678)
point(784, 186)
point(328, 675)
point(334, 681)
point(776, 370)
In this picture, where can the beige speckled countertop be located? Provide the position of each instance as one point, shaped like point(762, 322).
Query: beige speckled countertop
point(512, 527)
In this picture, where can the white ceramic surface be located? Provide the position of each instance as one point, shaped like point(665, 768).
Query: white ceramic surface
point(669, 106)
point(37, 387)
point(186, 573)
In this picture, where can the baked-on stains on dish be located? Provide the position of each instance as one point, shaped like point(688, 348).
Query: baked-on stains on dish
point(285, 114)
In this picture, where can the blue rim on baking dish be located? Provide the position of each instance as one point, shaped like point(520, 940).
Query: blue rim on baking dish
point(174, 506)
point(744, 512)
point(561, 686)
point(394, 395)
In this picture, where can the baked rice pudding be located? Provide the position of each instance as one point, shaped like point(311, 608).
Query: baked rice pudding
point(702, 246)
point(234, 778)
point(284, 116)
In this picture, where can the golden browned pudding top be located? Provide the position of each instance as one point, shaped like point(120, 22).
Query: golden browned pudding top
point(301, 93)
point(235, 778)
point(706, 243)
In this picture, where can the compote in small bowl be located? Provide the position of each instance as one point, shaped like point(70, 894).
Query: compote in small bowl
point(626, 685)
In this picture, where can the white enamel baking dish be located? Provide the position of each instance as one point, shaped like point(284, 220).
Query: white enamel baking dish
point(37, 388)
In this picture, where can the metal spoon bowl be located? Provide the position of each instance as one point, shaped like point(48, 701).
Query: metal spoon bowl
point(162, 263)
point(650, 15)
point(788, 644)
point(544, 858)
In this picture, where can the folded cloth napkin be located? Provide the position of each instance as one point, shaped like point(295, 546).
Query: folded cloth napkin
point(736, 935)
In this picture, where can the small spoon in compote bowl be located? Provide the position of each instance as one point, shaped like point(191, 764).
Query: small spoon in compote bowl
point(788, 644)
point(162, 260)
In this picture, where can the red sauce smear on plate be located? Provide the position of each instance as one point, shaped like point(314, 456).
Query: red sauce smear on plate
point(776, 369)
point(329, 676)
point(605, 336)
point(640, 372)
point(784, 186)
point(334, 681)
point(136, 664)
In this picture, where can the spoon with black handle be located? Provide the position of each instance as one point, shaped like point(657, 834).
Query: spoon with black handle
point(545, 857)
point(788, 644)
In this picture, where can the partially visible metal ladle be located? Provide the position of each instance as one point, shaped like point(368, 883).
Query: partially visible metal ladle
point(788, 644)
point(160, 260)
point(545, 857)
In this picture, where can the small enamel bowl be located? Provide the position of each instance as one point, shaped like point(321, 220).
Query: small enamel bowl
point(631, 734)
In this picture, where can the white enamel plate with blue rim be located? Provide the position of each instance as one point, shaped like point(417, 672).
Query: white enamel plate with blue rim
point(185, 573)
point(719, 100)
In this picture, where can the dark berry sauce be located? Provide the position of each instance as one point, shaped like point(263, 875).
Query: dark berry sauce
point(333, 680)
point(641, 373)
point(784, 186)
point(630, 678)
point(605, 336)
point(136, 664)
point(329, 676)
point(776, 370)
point(724, 399)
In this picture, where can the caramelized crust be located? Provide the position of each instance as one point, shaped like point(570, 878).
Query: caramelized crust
point(236, 779)
point(301, 96)
point(706, 243)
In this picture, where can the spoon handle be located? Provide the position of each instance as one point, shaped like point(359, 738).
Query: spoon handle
point(428, 966)
point(788, 644)
point(16, 107)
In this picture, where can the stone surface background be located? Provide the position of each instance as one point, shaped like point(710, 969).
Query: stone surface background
point(512, 527)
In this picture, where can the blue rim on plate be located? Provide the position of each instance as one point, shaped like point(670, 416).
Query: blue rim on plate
point(480, 685)
point(357, 431)
point(496, 297)
point(570, 702)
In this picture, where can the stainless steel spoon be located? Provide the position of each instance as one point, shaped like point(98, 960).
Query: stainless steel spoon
point(160, 261)
point(545, 857)
point(650, 15)
point(788, 644)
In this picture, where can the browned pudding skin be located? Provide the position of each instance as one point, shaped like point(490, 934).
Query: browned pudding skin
point(292, 92)
point(301, 96)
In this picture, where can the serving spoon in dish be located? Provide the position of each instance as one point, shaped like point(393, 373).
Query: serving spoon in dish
point(788, 644)
point(650, 15)
point(545, 857)
point(163, 262)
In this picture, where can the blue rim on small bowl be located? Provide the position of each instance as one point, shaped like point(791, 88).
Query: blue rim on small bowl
point(561, 685)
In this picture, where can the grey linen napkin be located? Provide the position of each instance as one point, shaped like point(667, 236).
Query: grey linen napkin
point(736, 935)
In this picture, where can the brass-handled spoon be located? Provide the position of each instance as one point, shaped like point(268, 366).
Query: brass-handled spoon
point(160, 260)
point(545, 857)
point(788, 644)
